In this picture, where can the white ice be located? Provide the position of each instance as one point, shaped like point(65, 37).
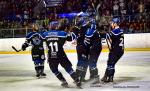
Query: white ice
point(17, 74)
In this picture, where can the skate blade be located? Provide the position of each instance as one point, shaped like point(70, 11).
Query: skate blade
point(40, 77)
point(43, 76)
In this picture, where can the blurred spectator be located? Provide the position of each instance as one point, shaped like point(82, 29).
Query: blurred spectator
point(116, 8)
point(141, 7)
point(130, 7)
point(122, 7)
point(20, 13)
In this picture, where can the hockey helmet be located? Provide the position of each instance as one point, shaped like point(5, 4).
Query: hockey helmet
point(116, 20)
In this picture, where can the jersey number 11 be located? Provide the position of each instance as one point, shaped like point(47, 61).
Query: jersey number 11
point(54, 46)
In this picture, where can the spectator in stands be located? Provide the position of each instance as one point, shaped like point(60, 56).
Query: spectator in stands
point(122, 7)
point(116, 8)
point(130, 7)
point(141, 8)
point(15, 11)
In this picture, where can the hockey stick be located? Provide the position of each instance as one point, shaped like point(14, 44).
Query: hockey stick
point(16, 49)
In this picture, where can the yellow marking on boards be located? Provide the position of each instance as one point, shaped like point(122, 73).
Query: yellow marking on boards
point(73, 51)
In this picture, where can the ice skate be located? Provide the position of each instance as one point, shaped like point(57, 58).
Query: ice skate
point(64, 84)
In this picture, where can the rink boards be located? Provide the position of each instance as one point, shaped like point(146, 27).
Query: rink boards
point(133, 42)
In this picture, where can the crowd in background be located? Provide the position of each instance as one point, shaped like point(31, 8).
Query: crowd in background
point(15, 13)
point(21, 13)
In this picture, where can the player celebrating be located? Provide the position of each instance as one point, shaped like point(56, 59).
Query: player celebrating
point(36, 40)
point(88, 46)
point(55, 40)
point(79, 32)
point(93, 43)
point(116, 40)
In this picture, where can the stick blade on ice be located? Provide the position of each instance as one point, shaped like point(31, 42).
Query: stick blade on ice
point(15, 49)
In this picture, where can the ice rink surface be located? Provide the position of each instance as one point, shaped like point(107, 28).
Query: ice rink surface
point(17, 74)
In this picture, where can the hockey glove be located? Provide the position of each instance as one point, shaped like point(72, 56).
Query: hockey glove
point(24, 46)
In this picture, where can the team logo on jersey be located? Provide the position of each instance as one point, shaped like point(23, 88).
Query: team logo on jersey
point(36, 40)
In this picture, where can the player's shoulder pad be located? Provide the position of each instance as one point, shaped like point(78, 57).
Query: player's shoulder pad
point(90, 32)
point(29, 35)
point(55, 33)
point(42, 31)
point(42, 34)
point(117, 31)
point(62, 34)
point(50, 33)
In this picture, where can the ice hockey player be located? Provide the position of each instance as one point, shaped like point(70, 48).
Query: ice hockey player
point(88, 46)
point(93, 44)
point(116, 40)
point(79, 32)
point(35, 39)
point(55, 40)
